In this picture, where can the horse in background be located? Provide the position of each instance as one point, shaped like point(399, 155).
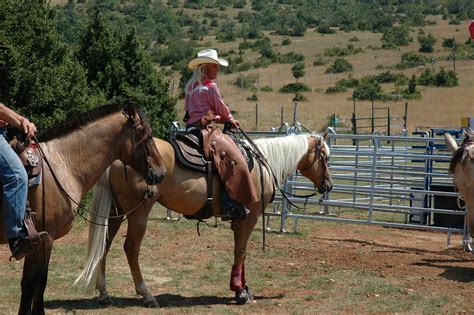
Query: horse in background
point(462, 169)
point(184, 191)
point(76, 154)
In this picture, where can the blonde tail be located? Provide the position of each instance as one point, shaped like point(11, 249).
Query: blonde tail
point(100, 208)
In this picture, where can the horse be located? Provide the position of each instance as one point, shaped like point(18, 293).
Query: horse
point(75, 154)
point(462, 169)
point(184, 191)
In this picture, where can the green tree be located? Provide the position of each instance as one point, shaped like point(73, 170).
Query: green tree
point(412, 85)
point(298, 70)
point(426, 43)
point(123, 71)
point(41, 79)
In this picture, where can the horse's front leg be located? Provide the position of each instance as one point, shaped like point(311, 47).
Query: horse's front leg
point(242, 231)
point(34, 279)
point(137, 224)
point(101, 284)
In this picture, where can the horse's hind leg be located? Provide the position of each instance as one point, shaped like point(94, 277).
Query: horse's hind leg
point(101, 284)
point(137, 224)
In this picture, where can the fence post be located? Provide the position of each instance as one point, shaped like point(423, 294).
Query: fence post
point(281, 116)
point(388, 121)
point(405, 118)
point(354, 126)
point(256, 116)
point(295, 116)
point(372, 120)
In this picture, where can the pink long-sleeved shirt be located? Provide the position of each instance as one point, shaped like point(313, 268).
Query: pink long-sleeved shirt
point(204, 98)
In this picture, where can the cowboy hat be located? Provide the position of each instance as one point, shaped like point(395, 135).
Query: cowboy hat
point(207, 56)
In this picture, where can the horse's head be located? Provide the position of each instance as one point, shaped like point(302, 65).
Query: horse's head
point(141, 152)
point(314, 165)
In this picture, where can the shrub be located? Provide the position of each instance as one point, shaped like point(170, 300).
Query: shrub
point(285, 42)
point(319, 61)
point(427, 77)
point(340, 52)
point(252, 97)
point(295, 87)
point(354, 39)
point(299, 97)
point(396, 36)
point(449, 42)
point(340, 65)
point(290, 57)
point(266, 89)
point(246, 82)
point(368, 90)
point(335, 89)
point(446, 78)
point(324, 28)
point(411, 59)
point(426, 43)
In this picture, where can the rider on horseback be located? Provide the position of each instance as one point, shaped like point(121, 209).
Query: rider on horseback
point(204, 105)
point(15, 183)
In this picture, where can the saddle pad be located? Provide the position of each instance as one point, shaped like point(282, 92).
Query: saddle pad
point(188, 153)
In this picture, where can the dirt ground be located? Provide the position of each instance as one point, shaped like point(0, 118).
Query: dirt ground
point(324, 268)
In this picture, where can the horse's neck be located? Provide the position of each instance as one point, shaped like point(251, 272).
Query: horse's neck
point(79, 158)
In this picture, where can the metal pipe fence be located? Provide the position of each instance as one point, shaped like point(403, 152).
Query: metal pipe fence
point(394, 181)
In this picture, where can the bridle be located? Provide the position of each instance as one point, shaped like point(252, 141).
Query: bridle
point(323, 157)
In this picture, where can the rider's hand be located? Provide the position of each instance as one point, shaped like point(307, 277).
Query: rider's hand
point(28, 128)
point(235, 123)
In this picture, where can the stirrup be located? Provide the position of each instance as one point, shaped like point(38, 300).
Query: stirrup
point(21, 250)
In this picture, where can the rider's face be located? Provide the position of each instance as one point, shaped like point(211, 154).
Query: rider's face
point(211, 71)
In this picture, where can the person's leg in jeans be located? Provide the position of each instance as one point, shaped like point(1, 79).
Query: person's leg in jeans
point(15, 189)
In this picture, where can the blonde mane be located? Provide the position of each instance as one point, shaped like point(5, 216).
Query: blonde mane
point(283, 153)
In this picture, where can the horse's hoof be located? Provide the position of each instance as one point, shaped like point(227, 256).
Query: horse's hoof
point(105, 300)
point(151, 303)
point(244, 296)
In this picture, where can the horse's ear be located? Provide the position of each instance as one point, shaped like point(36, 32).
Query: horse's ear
point(450, 142)
point(325, 135)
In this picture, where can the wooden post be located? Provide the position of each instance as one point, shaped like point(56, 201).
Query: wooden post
point(354, 126)
point(281, 116)
point(388, 121)
point(295, 116)
point(256, 116)
point(373, 119)
point(405, 118)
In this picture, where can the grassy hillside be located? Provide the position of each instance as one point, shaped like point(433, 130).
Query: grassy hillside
point(194, 25)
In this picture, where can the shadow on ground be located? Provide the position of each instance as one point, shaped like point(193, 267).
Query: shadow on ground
point(165, 301)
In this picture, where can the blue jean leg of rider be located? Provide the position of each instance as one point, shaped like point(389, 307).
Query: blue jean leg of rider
point(15, 189)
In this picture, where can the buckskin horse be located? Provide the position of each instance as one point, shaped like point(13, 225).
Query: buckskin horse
point(184, 191)
point(76, 154)
point(462, 169)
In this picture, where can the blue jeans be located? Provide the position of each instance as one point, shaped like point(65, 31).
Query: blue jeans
point(15, 189)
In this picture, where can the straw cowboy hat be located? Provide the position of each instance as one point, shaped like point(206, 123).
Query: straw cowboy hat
point(207, 56)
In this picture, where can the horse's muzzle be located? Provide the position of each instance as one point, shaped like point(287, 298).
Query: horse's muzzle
point(152, 178)
point(325, 187)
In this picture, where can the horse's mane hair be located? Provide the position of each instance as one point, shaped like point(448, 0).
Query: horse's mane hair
point(461, 153)
point(83, 119)
point(284, 153)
